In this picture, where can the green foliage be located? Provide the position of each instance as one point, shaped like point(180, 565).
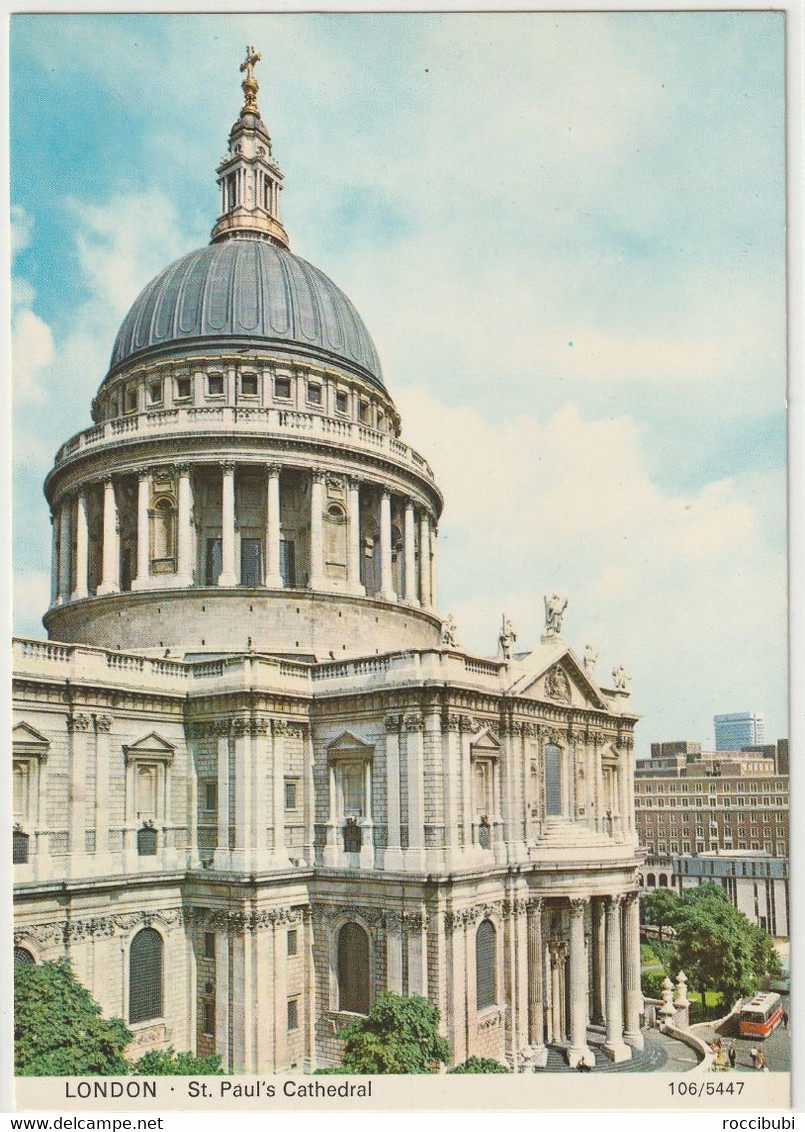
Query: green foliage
point(660, 907)
point(718, 947)
point(399, 1035)
point(169, 1063)
point(479, 1065)
point(652, 983)
point(58, 1027)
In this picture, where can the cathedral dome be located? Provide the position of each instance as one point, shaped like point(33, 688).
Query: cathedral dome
point(246, 293)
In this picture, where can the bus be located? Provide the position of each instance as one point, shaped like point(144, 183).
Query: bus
point(760, 1015)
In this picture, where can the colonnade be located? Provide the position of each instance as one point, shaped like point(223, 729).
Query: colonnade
point(602, 946)
point(416, 580)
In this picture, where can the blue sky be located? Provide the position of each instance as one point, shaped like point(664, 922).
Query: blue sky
point(565, 233)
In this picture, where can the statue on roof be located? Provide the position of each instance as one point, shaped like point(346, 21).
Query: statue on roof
point(449, 633)
point(620, 678)
point(590, 657)
point(555, 607)
point(506, 639)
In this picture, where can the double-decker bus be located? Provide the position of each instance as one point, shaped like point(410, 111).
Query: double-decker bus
point(760, 1015)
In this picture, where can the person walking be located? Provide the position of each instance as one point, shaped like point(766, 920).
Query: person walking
point(785, 1019)
point(732, 1056)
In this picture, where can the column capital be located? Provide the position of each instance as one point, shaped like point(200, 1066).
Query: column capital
point(318, 476)
point(385, 492)
point(354, 482)
point(107, 480)
point(227, 466)
point(145, 473)
point(182, 467)
point(536, 904)
point(273, 469)
point(578, 905)
point(613, 903)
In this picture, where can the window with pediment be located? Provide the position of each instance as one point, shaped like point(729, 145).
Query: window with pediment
point(29, 755)
point(148, 766)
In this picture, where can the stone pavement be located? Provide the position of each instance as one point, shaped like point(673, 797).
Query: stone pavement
point(776, 1047)
point(661, 1053)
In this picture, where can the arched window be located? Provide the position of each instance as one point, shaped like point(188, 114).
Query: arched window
point(23, 955)
point(146, 841)
point(353, 969)
point(145, 976)
point(651, 881)
point(553, 780)
point(663, 880)
point(485, 989)
point(20, 843)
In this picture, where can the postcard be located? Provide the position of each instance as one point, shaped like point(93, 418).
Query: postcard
point(400, 709)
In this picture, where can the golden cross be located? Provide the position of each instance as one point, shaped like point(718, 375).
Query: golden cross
point(252, 57)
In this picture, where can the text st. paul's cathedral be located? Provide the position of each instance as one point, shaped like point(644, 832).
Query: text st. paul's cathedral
point(257, 781)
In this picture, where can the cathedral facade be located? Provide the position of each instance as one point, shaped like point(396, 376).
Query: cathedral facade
point(257, 781)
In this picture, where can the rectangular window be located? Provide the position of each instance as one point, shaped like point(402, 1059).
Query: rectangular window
point(215, 385)
point(209, 1017)
point(293, 1014)
point(155, 392)
point(214, 562)
point(290, 793)
point(248, 384)
point(211, 796)
point(363, 412)
point(292, 941)
point(209, 945)
point(183, 388)
point(287, 562)
point(282, 388)
point(251, 562)
point(341, 401)
point(314, 393)
point(131, 399)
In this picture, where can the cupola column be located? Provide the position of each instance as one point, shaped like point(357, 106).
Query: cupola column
point(184, 567)
point(273, 522)
point(316, 579)
point(386, 590)
point(143, 501)
point(424, 560)
point(227, 576)
point(111, 551)
point(54, 557)
point(65, 549)
point(81, 590)
point(354, 535)
point(433, 601)
point(410, 553)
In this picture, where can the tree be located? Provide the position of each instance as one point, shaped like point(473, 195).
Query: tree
point(398, 1035)
point(718, 947)
point(169, 1063)
point(479, 1065)
point(660, 907)
point(58, 1027)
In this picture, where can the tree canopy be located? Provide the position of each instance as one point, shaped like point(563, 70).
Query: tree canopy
point(58, 1027)
point(479, 1065)
point(169, 1063)
point(399, 1035)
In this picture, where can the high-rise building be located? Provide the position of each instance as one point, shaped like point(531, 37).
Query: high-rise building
point(739, 729)
point(257, 781)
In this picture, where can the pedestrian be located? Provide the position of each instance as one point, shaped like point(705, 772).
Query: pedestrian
point(785, 1019)
point(732, 1056)
point(754, 1054)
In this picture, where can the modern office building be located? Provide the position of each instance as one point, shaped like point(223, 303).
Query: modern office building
point(740, 729)
point(257, 781)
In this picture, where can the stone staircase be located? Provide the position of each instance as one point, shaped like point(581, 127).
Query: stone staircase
point(647, 1060)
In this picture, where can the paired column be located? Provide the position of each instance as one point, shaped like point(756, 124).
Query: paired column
point(110, 583)
point(65, 550)
point(227, 577)
point(354, 535)
point(615, 1047)
point(536, 1038)
point(273, 524)
point(633, 996)
point(54, 557)
point(579, 1051)
point(184, 559)
point(143, 556)
point(424, 560)
point(386, 586)
point(316, 576)
point(410, 554)
point(81, 547)
point(599, 960)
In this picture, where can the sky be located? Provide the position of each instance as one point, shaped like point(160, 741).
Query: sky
point(566, 236)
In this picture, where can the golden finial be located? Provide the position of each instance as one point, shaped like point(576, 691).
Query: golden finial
point(250, 84)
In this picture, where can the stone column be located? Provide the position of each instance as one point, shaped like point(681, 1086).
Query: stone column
point(241, 856)
point(410, 554)
point(184, 541)
point(354, 535)
point(386, 586)
point(557, 1011)
point(536, 1038)
point(316, 575)
point(273, 525)
point(633, 997)
point(579, 1051)
point(65, 550)
point(599, 960)
point(111, 551)
point(393, 856)
point(432, 568)
point(227, 577)
point(615, 1048)
point(415, 853)
point(394, 973)
point(140, 582)
point(424, 560)
point(54, 557)
point(81, 548)
point(451, 769)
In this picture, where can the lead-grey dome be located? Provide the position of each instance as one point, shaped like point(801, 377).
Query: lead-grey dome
point(246, 293)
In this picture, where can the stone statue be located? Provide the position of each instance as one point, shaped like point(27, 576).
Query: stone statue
point(590, 657)
point(506, 639)
point(620, 678)
point(555, 607)
point(449, 634)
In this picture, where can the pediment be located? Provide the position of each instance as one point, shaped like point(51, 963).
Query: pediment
point(486, 744)
point(151, 746)
point(558, 677)
point(26, 740)
point(349, 744)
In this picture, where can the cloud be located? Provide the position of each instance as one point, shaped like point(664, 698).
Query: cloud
point(32, 353)
point(21, 229)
